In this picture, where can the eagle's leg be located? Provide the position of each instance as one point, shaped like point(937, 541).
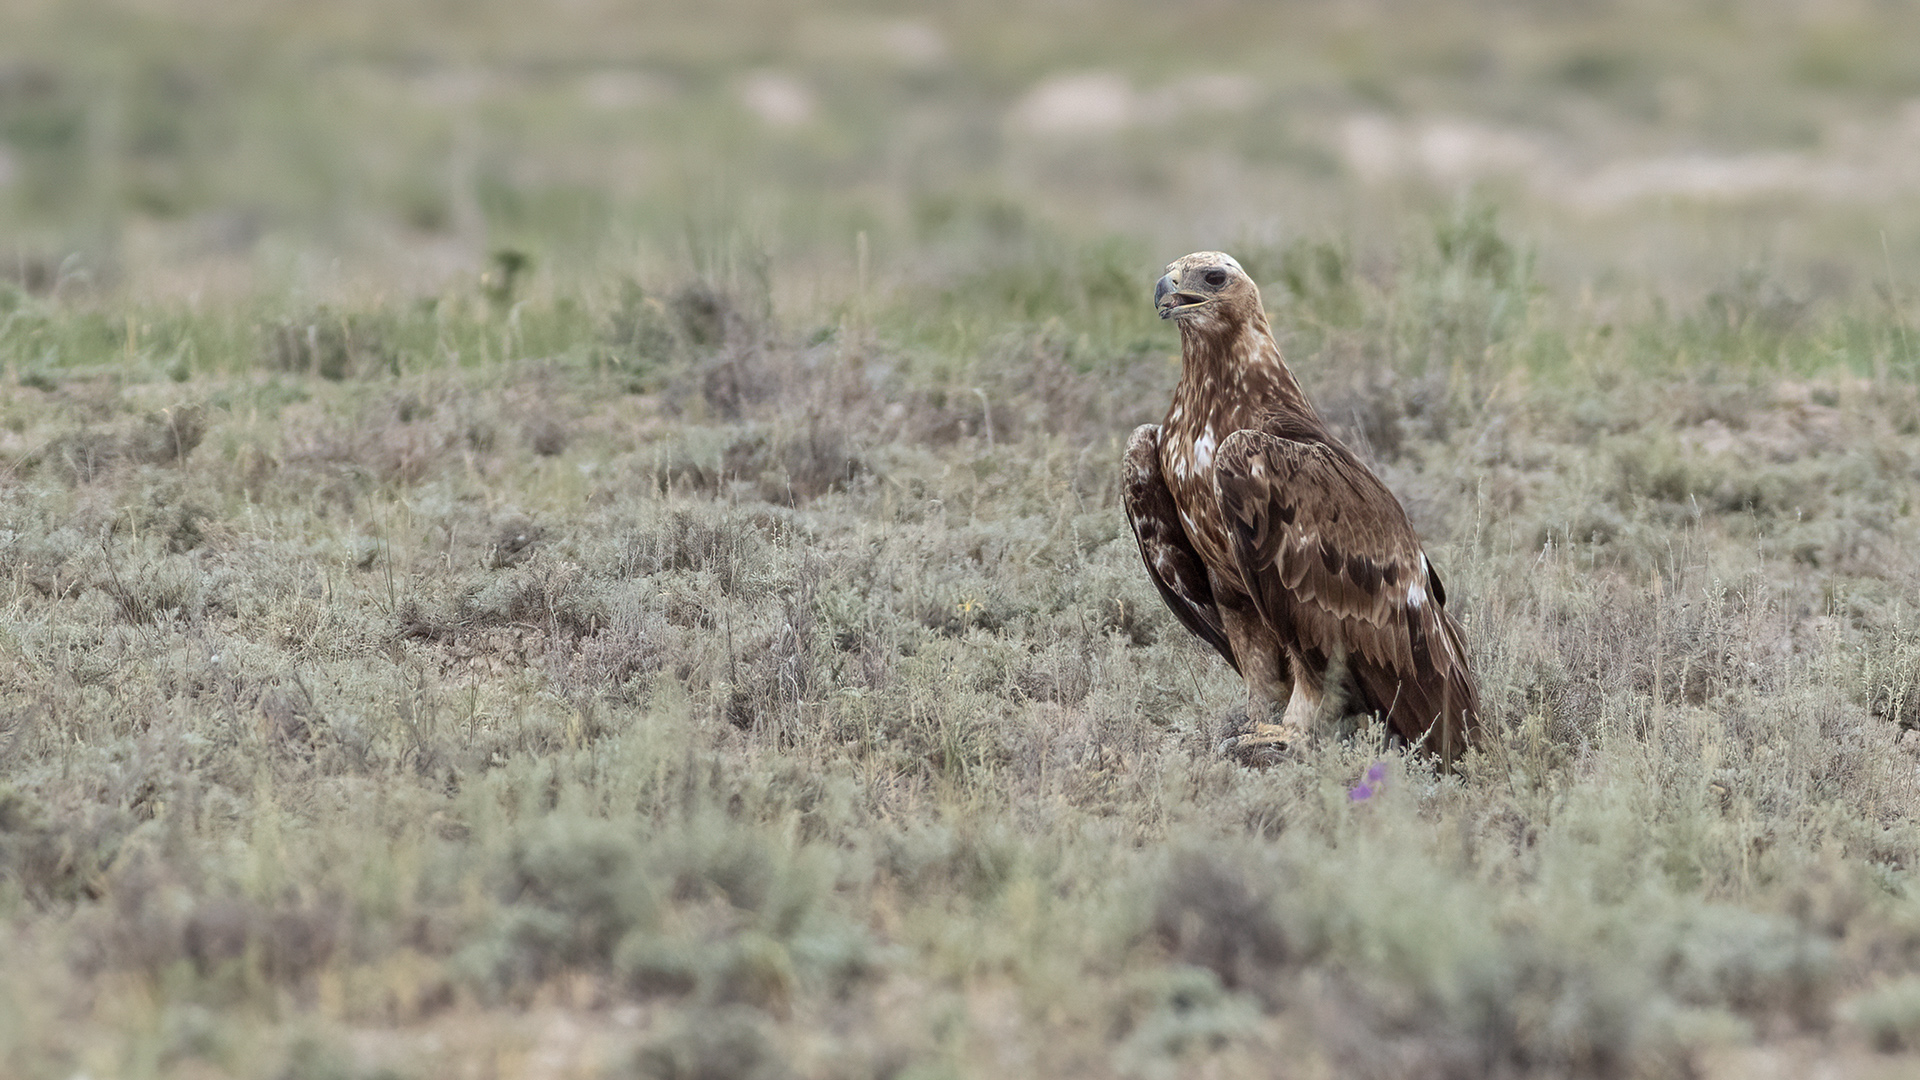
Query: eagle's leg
point(1303, 708)
point(1270, 727)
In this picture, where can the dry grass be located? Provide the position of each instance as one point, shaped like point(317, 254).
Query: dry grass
point(817, 731)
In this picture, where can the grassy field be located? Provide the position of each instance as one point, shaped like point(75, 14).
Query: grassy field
point(585, 542)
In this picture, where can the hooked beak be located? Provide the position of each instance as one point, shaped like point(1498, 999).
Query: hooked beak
point(1170, 301)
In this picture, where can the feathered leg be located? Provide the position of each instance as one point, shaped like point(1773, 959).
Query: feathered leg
point(1280, 707)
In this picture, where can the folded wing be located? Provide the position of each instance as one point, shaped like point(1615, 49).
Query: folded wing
point(1172, 562)
point(1331, 562)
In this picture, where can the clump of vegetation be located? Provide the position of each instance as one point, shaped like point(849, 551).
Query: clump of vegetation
point(327, 345)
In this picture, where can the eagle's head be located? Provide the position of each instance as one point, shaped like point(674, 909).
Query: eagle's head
point(1207, 291)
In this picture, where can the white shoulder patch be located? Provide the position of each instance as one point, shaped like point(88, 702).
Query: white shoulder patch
point(1203, 448)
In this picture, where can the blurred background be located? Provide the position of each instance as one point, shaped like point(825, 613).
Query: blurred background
point(1643, 151)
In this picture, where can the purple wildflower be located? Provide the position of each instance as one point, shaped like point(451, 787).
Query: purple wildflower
point(1370, 784)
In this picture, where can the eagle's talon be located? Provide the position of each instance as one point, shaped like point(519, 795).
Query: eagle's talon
point(1267, 744)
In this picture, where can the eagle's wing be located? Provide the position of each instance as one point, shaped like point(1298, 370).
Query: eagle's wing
point(1332, 563)
point(1172, 563)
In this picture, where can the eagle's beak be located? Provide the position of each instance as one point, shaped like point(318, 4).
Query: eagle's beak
point(1168, 298)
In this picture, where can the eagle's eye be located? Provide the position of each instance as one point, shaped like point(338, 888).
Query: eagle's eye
point(1214, 278)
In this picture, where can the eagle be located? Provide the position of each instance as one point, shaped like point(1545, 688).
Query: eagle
point(1271, 541)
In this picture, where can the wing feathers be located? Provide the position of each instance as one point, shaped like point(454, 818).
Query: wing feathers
point(1329, 558)
point(1175, 567)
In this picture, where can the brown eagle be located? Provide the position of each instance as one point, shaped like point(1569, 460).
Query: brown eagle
point(1271, 541)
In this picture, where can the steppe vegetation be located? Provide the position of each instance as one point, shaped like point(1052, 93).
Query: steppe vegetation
point(584, 543)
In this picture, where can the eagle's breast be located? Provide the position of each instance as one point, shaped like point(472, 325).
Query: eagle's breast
point(1192, 432)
